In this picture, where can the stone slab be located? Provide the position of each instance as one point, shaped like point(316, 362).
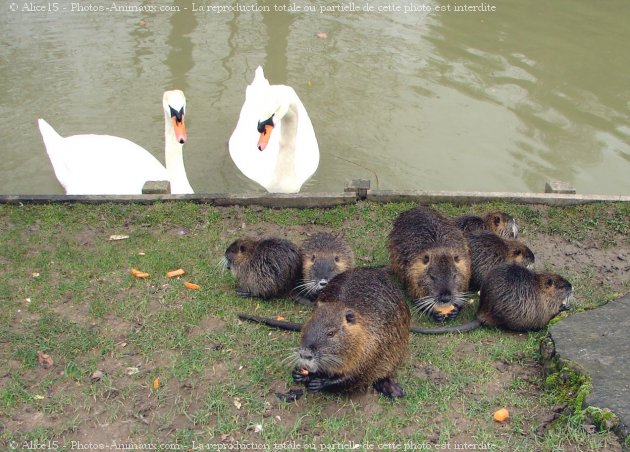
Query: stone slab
point(598, 341)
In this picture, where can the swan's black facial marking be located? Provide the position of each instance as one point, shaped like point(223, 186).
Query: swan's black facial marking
point(262, 124)
point(178, 115)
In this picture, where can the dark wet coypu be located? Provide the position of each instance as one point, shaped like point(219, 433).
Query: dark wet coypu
point(498, 222)
point(357, 335)
point(515, 298)
point(264, 268)
point(430, 255)
point(488, 250)
point(324, 256)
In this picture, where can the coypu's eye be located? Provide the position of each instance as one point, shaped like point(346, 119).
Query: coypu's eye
point(241, 248)
point(330, 333)
point(517, 252)
point(549, 282)
point(313, 258)
point(456, 259)
point(425, 259)
point(336, 258)
point(497, 220)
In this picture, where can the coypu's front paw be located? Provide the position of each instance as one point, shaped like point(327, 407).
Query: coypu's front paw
point(316, 384)
point(301, 376)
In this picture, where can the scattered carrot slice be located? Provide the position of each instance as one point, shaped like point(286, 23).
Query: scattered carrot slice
point(192, 286)
point(175, 273)
point(501, 415)
point(279, 317)
point(156, 383)
point(138, 274)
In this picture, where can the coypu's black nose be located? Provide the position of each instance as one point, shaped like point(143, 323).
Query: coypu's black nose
point(322, 283)
point(306, 354)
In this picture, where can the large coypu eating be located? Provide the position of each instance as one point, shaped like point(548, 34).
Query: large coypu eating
point(430, 255)
point(488, 250)
point(324, 256)
point(498, 222)
point(357, 335)
point(264, 268)
point(517, 299)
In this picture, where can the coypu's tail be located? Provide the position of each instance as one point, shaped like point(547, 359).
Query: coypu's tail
point(281, 324)
point(448, 329)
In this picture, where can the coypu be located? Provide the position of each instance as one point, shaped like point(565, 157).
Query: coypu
point(357, 335)
point(488, 250)
point(430, 255)
point(515, 298)
point(500, 223)
point(324, 256)
point(264, 268)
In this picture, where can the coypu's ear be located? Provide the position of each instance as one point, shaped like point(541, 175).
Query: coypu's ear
point(350, 317)
point(425, 259)
point(517, 252)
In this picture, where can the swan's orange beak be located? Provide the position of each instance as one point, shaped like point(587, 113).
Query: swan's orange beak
point(180, 130)
point(264, 137)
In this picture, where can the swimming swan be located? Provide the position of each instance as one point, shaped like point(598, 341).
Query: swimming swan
point(108, 165)
point(274, 142)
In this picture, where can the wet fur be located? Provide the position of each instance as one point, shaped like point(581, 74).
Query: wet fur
point(498, 222)
point(517, 299)
point(264, 268)
point(324, 256)
point(488, 250)
point(358, 335)
point(430, 255)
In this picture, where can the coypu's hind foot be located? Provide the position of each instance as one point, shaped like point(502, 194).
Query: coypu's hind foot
point(389, 388)
point(244, 293)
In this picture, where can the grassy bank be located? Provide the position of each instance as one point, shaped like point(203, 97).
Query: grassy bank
point(66, 291)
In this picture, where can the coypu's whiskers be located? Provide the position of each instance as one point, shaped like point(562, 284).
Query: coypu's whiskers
point(308, 287)
point(292, 359)
point(327, 361)
point(424, 305)
point(221, 265)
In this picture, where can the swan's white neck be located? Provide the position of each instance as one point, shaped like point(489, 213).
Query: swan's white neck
point(174, 159)
point(284, 179)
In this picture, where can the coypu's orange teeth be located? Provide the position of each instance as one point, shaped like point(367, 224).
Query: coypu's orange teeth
point(444, 310)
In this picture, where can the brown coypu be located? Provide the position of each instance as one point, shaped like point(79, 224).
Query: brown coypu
point(488, 250)
point(324, 256)
point(515, 298)
point(498, 222)
point(357, 335)
point(263, 268)
point(430, 255)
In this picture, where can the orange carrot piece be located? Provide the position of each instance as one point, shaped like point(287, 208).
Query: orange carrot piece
point(139, 274)
point(501, 415)
point(192, 286)
point(175, 273)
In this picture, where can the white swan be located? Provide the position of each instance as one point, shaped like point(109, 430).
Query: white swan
point(108, 165)
point(274, 142)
